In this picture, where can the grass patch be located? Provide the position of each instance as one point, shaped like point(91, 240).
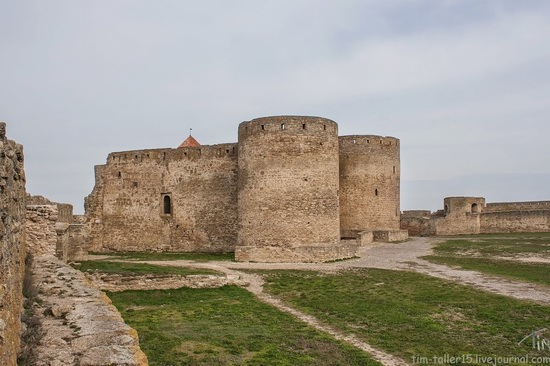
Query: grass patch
point(410, 314)
point(154, 256)
point(225, 326)
point(493, 254)
point(138, 268)
point(502, 245)
point(530, 272)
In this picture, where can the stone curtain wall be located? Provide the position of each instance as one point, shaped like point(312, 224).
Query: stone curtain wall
point(12, 254)
point(470, 215)
point(517, 206)
point(515, 222)
point(126, 208)
point(369, 184)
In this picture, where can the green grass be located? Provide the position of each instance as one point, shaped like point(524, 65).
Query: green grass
point(530, 272)
point(502, 245)
point(154, 256)
point(138, 268)
point(493, 254)
point(410, 314)
point(225, 326)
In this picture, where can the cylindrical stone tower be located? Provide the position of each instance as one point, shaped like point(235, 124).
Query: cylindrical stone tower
point(369, 184)
point(288, 190)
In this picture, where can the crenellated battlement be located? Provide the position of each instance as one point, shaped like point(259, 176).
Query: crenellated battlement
point(288, 125)
point(168, 154)
point(515, 206)
point(368, 141)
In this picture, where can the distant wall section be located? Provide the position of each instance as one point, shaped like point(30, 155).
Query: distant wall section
point(471, 215)
point(504, 217)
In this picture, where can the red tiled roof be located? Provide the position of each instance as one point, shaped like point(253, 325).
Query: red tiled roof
point(190, 142)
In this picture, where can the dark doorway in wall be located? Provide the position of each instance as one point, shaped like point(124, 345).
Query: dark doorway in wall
point(475, 208)
point(167, 205)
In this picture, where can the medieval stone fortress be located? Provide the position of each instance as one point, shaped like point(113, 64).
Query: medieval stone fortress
point(290, 190)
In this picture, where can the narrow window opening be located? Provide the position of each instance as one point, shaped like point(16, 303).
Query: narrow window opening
point(167, 205)
point(368, 141)
point(263, 127)
point(394, 169)
point(380, 142)
point(446, 208)
point(303, 126)
point(325, 127)
point(119, 175)
point(376, 192)
point(283, 126)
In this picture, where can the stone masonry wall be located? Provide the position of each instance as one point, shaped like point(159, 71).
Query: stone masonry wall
point(418, 223)
point(288, 189)
point(471, 215)
point(369, 184)
point(517, 206)
point(72, 241)
point(515, 222)
point(40, 229)
point(126, 210)
point(12, 247)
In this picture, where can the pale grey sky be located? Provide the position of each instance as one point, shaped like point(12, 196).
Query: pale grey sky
point(465, 84)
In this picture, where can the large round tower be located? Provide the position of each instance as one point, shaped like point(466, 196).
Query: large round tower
point(288, 190)
point(369, 184)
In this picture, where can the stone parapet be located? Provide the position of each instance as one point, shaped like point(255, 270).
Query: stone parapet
point(390, 236)
point(123, 282)
point(305, 254)
point(80, 326)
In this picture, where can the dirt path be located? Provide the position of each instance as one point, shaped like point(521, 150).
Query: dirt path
point(406, 256)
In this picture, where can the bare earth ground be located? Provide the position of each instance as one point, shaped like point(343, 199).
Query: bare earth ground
point(401, 256)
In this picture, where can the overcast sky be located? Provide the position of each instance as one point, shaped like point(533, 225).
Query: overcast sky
point(465, 84)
